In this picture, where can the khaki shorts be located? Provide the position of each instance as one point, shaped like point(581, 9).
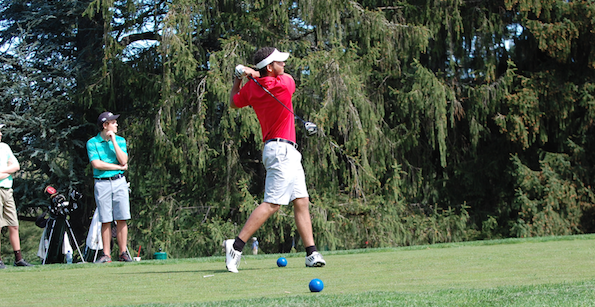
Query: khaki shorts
point(8, 209)
point(285, 179)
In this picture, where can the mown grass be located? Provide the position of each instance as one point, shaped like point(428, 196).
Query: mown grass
point(552, 271)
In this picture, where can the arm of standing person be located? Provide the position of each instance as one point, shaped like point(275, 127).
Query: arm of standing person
point(120, 154)
point(237, 85)
point(105, 166)
point(12, 167)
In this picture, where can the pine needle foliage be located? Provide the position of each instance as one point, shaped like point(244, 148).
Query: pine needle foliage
point(439, 120)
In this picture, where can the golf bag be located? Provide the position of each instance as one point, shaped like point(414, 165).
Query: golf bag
point(57, 236)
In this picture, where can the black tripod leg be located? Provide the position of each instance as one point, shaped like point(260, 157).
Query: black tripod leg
point(46, 249)
point(75, 241)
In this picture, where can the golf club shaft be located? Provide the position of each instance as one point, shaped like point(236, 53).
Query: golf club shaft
point(279, 101)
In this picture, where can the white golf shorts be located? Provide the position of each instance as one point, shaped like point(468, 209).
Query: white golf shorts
point(285, 179)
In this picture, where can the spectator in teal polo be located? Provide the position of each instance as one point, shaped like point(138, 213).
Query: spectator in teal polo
point(109, 158)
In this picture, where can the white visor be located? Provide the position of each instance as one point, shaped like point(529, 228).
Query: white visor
point(276, 56)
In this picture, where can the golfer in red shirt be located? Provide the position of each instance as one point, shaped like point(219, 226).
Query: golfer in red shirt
point(285, 180)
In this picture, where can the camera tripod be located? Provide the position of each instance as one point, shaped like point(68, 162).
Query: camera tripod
point(58, 230)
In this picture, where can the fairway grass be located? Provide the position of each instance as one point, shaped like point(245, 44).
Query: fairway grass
point(553, 271)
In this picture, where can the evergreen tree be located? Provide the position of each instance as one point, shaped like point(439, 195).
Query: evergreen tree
point(439, 120)
point(45, 127)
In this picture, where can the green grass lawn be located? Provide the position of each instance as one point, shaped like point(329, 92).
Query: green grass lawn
point(554, 271)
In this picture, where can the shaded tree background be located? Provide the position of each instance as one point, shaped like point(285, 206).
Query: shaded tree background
point(440, 120)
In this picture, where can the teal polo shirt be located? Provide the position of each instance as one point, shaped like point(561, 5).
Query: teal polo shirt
point(99, 149)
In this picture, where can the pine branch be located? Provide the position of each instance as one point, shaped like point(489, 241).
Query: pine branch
point(304, 35)
point(385, 8)
point(127, 40)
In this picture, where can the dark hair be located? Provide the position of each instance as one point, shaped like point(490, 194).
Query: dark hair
point(260, 55)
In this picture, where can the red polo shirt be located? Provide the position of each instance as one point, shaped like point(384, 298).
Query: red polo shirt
point(275, 120)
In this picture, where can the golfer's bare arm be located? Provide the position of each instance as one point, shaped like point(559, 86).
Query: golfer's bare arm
point(237, 85)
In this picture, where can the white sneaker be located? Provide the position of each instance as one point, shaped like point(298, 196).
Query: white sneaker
point(232, 256)
point(315, 260)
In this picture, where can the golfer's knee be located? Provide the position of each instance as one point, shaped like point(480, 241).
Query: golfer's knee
point(271, 207)
point(301, 203)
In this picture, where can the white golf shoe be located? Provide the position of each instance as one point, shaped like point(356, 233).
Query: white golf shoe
point(315, 260)
point(232, 256)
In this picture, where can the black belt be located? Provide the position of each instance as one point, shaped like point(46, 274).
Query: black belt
point(282, 140)
point(112, 178)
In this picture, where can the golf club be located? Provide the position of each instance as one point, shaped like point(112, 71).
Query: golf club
point(309, 126)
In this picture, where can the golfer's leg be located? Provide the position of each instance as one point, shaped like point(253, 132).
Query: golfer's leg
point(106, 237)
point(302, 220)
point(122, 235)
point(256, 219)
point(13, 237)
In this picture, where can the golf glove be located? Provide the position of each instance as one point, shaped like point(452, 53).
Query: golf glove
point(239, 72)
